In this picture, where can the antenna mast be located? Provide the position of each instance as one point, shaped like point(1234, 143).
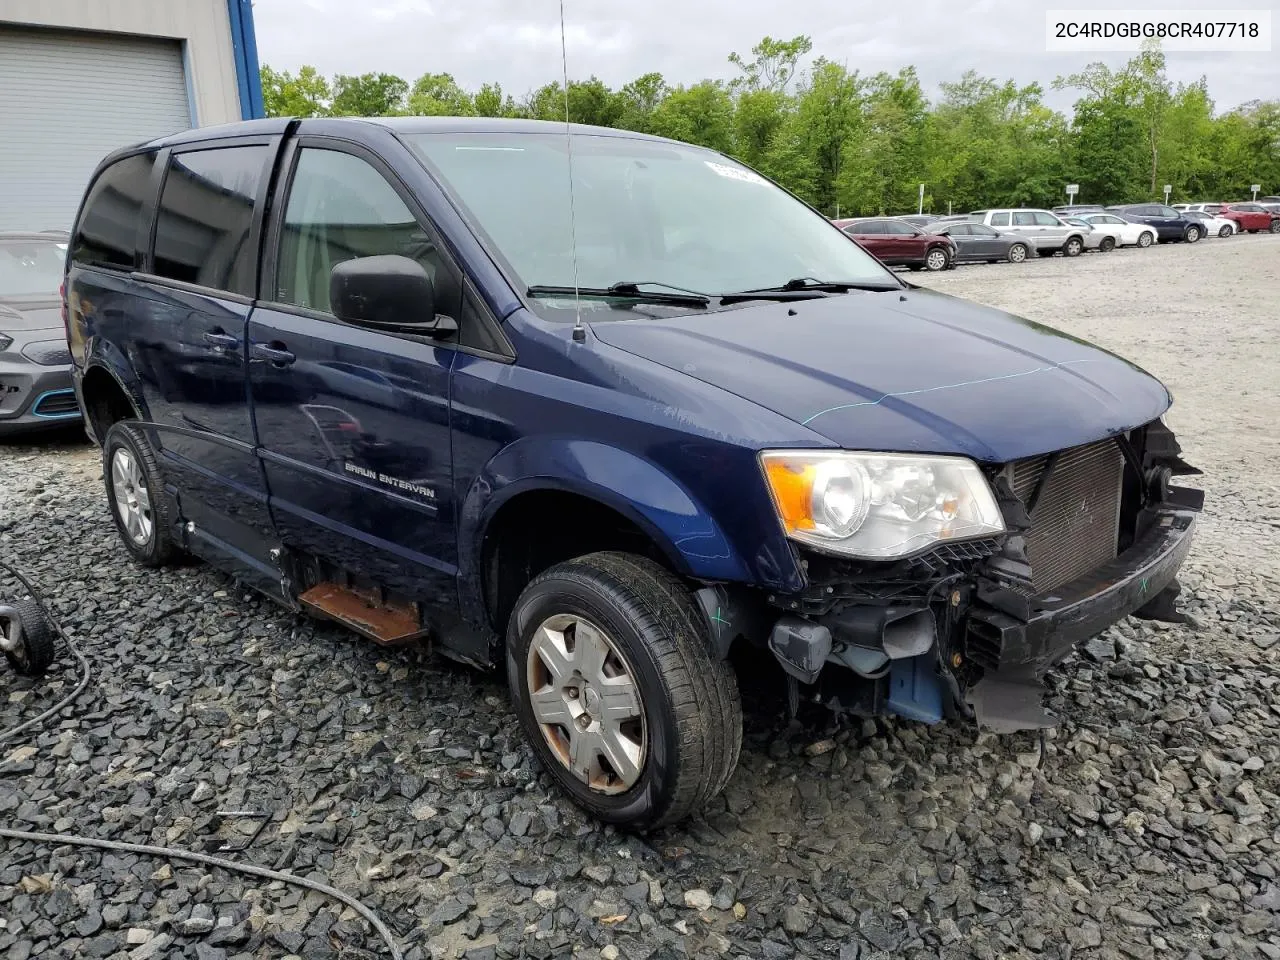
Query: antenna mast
point(579, 332)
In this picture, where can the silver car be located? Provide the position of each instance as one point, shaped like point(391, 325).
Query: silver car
point(1044, 230)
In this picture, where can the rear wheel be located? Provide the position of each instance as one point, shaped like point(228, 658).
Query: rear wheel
point(936, 259)
point(1275, 226)
point(1107, 245)
point(1017, 253)
point(1192, 234)
point(619, 692)
point(1073, 247)
point(1146, 238)
point(1225, 232)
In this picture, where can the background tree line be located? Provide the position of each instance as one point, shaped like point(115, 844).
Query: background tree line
point(862, 144)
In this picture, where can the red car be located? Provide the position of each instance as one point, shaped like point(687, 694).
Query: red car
point(898, 243)
point(1252, 217)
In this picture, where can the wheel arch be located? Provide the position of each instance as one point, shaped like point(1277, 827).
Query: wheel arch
point(105, 400)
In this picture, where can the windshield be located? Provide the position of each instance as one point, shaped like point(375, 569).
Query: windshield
point(31, 269)
point(645, 211)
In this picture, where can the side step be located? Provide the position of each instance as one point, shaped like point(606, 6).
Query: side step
point(367, 614)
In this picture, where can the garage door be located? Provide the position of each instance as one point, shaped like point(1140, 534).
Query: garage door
point(66, 101)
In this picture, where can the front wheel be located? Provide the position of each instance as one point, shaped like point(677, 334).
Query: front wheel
point(619, 691)
point(135, 492)
point(1017, 253)
point(1107, 245)
point(1146, 238)
point(1073, 247)
point(1192, 235)
point(936, 259)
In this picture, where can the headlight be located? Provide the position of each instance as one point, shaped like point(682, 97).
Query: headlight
point(879, 506)
point(5, 342)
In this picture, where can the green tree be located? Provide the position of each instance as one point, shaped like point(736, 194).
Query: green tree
point(883, 173)
point(368, 95)
point(826, 129)
point(772, 64)
point(491, 102)
point(286, 95)
point(438, 95)
point(639, 99)
point(702, 114)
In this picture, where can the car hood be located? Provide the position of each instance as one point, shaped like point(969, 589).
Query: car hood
point(24, 317)
point(908, 370)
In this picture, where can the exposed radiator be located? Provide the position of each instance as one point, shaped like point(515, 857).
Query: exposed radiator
point(1076, 521)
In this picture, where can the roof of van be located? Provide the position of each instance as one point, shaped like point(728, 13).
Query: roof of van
point(277, 125)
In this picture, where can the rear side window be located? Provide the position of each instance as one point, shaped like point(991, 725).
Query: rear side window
point(108, 229)
point(1000, 219)
point(1024, 219)
point(865, 228)
point(204, 218)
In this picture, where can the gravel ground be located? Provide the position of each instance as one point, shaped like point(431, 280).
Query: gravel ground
point(1144, 826)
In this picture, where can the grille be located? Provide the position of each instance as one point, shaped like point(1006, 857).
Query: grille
point(47, 353)
point(1076, 520)
point(56, 403)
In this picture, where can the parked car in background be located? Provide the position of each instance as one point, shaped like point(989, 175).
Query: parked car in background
point(1076, 209)
point(1169, 224)
point(1045, 231)
point(1253, 217)
point(918, 219)
point(1092, 239)
point(1270, 207)
point(1124, 232)
point(35, 366)
point(976, 242)
point(899, 244)
point(525, 497)
point(1213, 226)
point(1210, 208)
point(1268, 200)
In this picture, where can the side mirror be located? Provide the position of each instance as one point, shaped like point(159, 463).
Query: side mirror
point(390, 293)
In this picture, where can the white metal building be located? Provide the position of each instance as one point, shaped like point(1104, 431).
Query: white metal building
point(79, 78)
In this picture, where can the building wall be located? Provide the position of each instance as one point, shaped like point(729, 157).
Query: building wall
point(204, 25)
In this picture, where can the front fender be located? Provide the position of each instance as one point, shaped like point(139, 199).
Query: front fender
point(652, 499)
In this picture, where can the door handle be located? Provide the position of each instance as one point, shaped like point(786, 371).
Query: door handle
point(274, 352)
point(221, 341)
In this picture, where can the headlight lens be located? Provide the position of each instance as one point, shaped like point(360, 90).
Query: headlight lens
point(879, 506)
point(5, 342)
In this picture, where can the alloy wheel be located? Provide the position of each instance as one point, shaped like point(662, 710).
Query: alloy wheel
point(132, 497)
point(936, 260)
point(587, 703)
point(1017, 253)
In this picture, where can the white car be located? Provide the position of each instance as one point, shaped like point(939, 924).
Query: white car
point(1213, 209)
point(1213, 226)
point(1093, 239)
point(1123, 233)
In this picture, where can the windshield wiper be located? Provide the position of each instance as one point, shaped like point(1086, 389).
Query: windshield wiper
point(628, 291)
point(804, 288)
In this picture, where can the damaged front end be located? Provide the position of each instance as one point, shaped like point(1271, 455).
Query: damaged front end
point(969, 628)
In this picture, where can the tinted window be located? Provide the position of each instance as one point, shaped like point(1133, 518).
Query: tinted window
point(1212, 208)
point(866, 227)
point(340, 208)
point(1000, 219)
point(108, 227)
point(1024, 219)
point(1047, 220)
point(982, 230)
point(896, 229)
point(1168, 212)
point(202, 224)
point(961, 229)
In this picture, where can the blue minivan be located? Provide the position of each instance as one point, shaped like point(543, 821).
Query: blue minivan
point(605, 411)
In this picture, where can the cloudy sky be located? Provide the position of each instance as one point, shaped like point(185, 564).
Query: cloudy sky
point(517, 42)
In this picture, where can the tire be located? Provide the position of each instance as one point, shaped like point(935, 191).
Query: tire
point(138, 504)
point(1275, 226)
point(1226, 232)
point(1073, 247)
point(914, 267)
point(1107, 245)
point(35, 652)
point(1017, 253)
point(1192, 235)
point(1146, 238)
point(937, 259)
point(685, 697)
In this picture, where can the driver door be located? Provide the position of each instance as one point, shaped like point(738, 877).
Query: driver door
point(353, 423)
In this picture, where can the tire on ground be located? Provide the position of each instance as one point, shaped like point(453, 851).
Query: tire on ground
point(160, 549)
point(35, 653)
point(689, 696)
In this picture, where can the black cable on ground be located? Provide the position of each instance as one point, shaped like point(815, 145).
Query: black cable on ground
point(168, 853)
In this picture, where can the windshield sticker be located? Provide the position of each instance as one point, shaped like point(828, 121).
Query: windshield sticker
point(735, 173)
